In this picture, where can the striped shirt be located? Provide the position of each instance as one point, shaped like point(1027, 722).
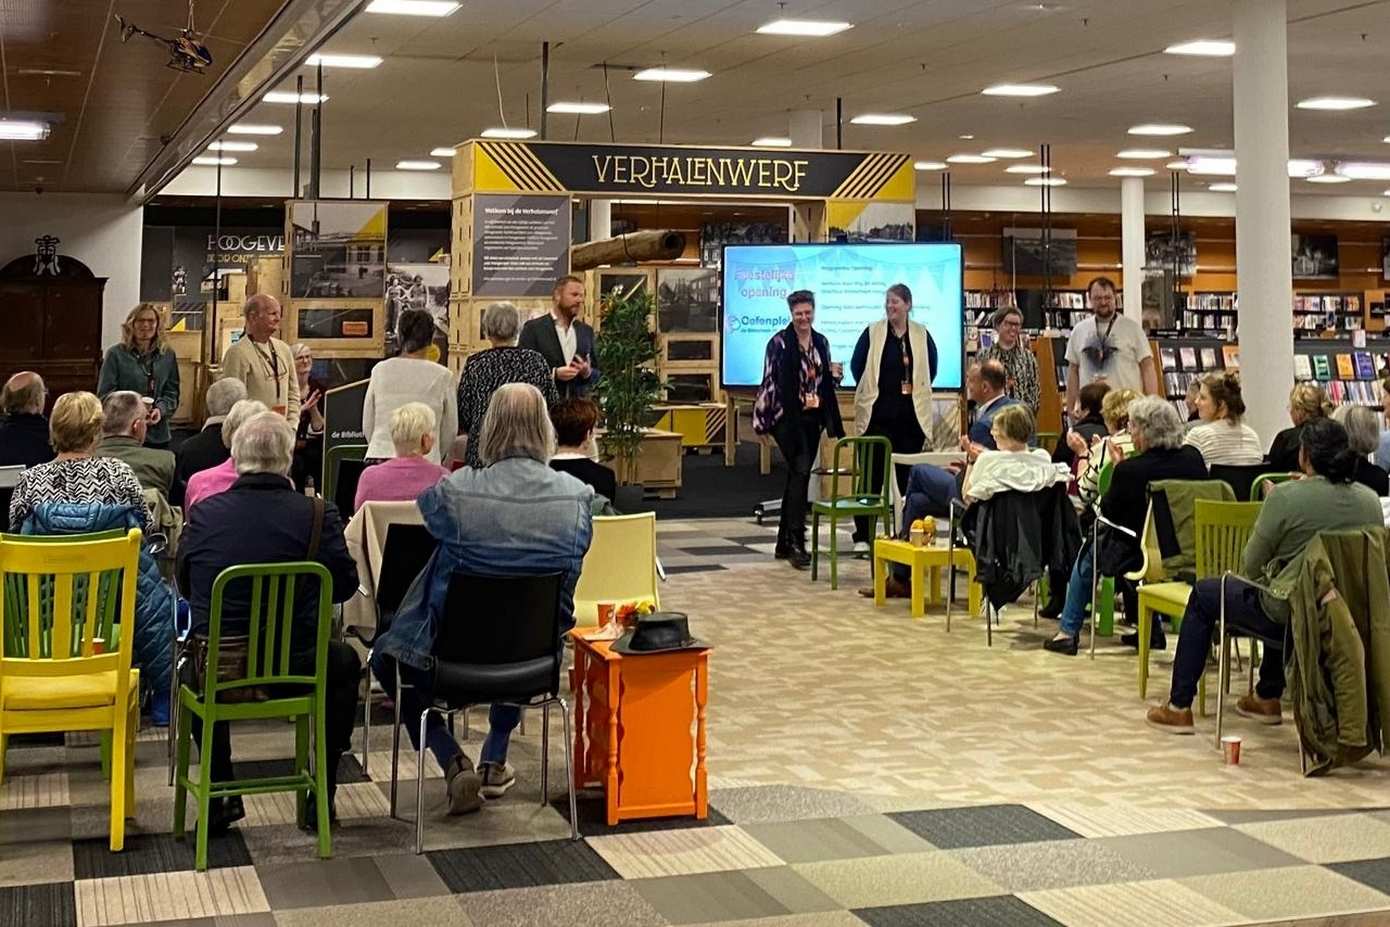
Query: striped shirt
point(1226, 443)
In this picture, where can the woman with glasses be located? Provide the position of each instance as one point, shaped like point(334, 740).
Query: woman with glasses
point(1019, 362)
point(144, 364)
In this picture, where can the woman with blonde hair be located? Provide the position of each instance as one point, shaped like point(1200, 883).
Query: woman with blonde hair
point(143, 363)
point(1222, 437)
point(1307, 403)
point(1114, 408)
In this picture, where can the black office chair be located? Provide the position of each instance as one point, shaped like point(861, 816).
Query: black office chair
point(1241, 478)
point(498, 643)
point(403, 555)
point(345, 485)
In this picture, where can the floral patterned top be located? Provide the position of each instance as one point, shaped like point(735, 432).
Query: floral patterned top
point(1022, 369)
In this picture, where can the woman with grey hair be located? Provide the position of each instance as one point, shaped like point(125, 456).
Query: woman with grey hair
point(220, 478)
point(489, 369)
point(1157, 431)
point(1363, 437)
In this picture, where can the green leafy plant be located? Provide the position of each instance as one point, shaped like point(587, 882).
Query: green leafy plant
point(629, 385)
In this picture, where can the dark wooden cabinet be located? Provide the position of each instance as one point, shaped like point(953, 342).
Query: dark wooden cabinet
point(50, 322)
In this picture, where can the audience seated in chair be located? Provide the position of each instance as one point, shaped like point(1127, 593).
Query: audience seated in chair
point(514, 516)
point(1363, 437)
point(261, 519)
point(220, 478)
point(1326, 499)
point(1222, 437)
point(206, 449)
point(124, 422)
point(1157, 432)
point(1090, 425)
point(1307, 402)
point(23, 429)
point(575, 420)
point(410, 472)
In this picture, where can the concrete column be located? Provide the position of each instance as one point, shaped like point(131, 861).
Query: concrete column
point(1263, 272)
point(804, 127)
point(1132, 244)
point(600, 219)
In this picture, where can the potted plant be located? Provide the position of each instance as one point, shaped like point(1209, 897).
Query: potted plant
point(629, 386)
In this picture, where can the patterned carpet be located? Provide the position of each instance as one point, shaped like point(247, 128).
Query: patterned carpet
point(864, 768)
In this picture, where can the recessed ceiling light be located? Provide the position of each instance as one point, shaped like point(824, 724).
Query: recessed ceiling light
point(413, 7)
point(1144, 154)
point(970, 138)
point(289, 96)
point(883, 119)
point(1007, 153)
point(442, 152)
point(578, 109)
point(929, 165)
point(1222, 187)
point(1363, 170)
point(1132, 172)
point(806, 27)
point(23, 130)
point(1179, 165)
point(1211, 48)
point(674, 75)
point(361, 62)
point(1160, 128)
point(1335, 104)
point(969, 159)
point(1328, 178)
point(499, 132)
point(1020, 90)
point(417, 165)
point(1301, 167)
point(233, 146)
point(247, 128)
point(772, 141)
point(1026, 169)
point(213, 162)
point(1045, 182)
point(1223, 163)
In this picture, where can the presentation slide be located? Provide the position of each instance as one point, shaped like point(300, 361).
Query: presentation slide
point(850, 282)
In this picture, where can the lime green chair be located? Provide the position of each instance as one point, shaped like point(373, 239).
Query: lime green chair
point(862, 498)
point(1222, 529)
point(294, 696)
point(1156, 594)
point(1259, 489)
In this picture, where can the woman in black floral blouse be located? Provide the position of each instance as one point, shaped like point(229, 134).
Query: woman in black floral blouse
point(1019, 363)
point(497, 366)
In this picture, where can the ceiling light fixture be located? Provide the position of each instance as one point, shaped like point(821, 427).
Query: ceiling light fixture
point(578, 109)
point(360, 62)
point(417, 165)
point(248, 128)
point(1020, 90)
point(772, 141)
point(970, 138)
point(413, 7)
point(929, 165)
point(499, 132)
point(969, 159)
point(1179, 165)
point(1007, 153)
point(1045, 182)
point(1335, 104)
point(1223, 163)
point(1132, 172)
point(1209, 48)
point(1143, 154)
point(23, 130)
point(814, 28)
point(882, 119)
point(214, 162)
point(289, 96)
point(1362, 170)
point(1160, 128)
point(1302, 167)
point(1222, 187)
point(442, 152)
point(233, 146)
point(674, 75)
point(1327, 178)
point(1026, 169)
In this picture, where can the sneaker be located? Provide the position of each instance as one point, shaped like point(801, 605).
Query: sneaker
point(497, 779)
point(1065, 645)
point(1263, 710)
point(464, 785)
point(1173, 720)
point(861, 547)
point(159, 709)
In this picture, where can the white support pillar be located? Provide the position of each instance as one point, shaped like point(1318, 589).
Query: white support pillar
point(804, 128)
point(600, 219)
point(1263, 272)
point(1132, 245)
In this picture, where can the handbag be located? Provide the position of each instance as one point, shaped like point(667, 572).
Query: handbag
point(1117, 550)
point(234, 652)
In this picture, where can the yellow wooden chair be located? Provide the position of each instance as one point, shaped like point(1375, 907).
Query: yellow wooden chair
point(1156, 594)
point(53, 675)
point(620, 566)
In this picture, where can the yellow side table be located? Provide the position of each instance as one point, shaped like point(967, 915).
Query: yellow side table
point(919, 560)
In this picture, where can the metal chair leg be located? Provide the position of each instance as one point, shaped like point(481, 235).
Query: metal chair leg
point(396, 742)
point(1037, 591)
point(545, 753)
point(569, 772)
point(1095, 586)
point(950, 576)
point(1223, 663)
point(420, 785)
point(367, 716)
point(522, 725)
point(989, 623)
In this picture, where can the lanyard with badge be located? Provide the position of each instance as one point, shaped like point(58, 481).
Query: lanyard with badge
point(907, 366)
point(272, 362)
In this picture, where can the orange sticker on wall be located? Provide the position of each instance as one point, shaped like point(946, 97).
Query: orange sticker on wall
point(356, 329)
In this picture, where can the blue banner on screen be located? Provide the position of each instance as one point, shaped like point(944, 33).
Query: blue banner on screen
point(850, 282)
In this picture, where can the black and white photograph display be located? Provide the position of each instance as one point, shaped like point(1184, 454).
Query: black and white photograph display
point(339, 250)
point(416, 286)
point(1022, 252)
point(1315, 257)
point(687, 299)
point(1166, 251)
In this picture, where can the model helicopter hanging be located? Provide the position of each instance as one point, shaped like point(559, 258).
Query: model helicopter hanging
point(187, 53)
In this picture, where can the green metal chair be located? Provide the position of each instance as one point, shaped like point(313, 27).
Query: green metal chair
point(1222, 530)
point(293, 696)
point(862, 498)
point(1102, 607)
point(1259, 489)
point(328, 485)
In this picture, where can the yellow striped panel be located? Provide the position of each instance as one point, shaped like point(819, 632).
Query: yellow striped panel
point(853, 179)
point(901, 186)
point(522, 168)
point(488, 175)
point(715, 420)
point(872, 176)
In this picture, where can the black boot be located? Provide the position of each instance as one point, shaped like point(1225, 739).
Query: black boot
point(798, 556)
point(1157, 639)
point(783, 550)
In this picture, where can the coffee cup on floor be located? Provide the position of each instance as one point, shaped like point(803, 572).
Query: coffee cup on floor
point(1230, 747)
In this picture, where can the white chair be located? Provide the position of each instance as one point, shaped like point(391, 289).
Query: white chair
point(938, 458)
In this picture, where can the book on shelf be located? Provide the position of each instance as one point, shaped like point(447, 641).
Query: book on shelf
point(1365, 366)
point(1346, 370)
point(1209, 359)
point(1189, 358)
point(1302, 367)
point(1231, 354)
point(1168, 358)
point(1322, 367)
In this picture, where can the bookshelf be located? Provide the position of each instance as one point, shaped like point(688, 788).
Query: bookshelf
point(1212, 311)
point(1316, 313)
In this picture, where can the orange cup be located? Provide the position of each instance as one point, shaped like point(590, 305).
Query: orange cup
point(605, 613)
point(1230, 746)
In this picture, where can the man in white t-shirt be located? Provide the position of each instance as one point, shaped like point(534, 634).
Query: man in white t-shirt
point(1108, 346)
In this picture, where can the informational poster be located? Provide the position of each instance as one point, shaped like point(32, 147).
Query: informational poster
point(521, 244)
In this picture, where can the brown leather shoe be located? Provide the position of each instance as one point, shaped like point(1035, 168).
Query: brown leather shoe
point(893, 588)
point(1263, 710)
point(1172, 720)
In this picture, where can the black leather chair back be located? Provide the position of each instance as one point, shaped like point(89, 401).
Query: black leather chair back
point(499, 639)
point(1241, 478)
point(406, 551)
point(345, 485)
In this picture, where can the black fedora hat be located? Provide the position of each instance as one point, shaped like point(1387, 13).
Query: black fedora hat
point(659, 632)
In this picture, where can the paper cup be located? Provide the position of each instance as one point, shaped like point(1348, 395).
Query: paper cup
point(1230, 746)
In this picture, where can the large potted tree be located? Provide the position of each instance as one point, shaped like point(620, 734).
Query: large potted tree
point(629, 385)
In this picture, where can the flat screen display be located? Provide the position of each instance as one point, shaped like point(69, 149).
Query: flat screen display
point(850, 282)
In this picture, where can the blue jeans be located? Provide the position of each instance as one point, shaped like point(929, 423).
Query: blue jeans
point(930, 490)
point(1078, 592)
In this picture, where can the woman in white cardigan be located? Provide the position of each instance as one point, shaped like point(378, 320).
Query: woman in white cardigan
point(411, 377)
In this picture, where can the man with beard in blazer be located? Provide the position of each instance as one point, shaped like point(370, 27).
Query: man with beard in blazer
point(566, 342)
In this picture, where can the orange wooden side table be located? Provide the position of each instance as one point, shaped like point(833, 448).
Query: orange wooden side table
point(632, 729)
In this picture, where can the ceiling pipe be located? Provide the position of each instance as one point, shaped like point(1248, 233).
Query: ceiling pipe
point(545, 87)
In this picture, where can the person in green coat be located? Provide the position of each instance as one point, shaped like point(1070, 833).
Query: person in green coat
point(145, 364)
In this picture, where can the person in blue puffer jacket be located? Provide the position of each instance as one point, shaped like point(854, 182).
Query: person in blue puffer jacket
point(155, 602)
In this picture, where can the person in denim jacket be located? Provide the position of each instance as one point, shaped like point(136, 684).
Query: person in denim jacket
point(514, 516)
